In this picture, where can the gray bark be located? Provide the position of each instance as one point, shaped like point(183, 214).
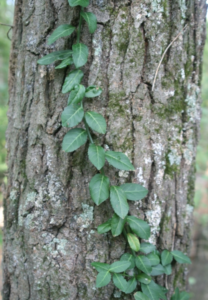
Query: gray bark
point(50, 220)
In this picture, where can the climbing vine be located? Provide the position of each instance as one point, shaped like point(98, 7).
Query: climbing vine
point(135, 270)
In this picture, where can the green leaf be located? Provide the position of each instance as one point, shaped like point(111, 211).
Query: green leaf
point(118, 201)
point(153, 291)
point(117, 225)
point(134, 191)
point(66, 62)
point(139, 227)
point(147, 248)
point(83, 3)
point(128, 257)
point(91, 20)
point(140, 296)
point(168, 269)
point(74, 139)
point(74, 78)
point(99, 188)
point(154, 259)
point(120, 282)
point(72, 115)
point(100, 267)
point(166, 258)
point(50, 58)
point(77, 94)
point(180, 257)
point(185, 296)
point(96, 156)
point(119, 160)
point(144, 278)
point(93, 91)
point(131, 285)
point(103, 278)
point(105, 227)
point(119, 266)
point(143, 264)
point(176, 295)
point(157, 270)
point(61, 31)
point(133, 242)
point(96, 121)
point(80, 54)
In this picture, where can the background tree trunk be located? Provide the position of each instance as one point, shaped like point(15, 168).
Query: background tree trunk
point(50, 220)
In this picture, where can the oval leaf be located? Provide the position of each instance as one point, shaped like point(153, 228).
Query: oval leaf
point(83, 3)
point(77, 94)
point(119, 160)
point(134, 191)
point(139, 227)
point(72, 115)
point(118, 201)
point(100, 267)
point(157, 270)
point(168, 269)
point(180, 257)
point(147, 248)
point(128, 257)
point(176, 295)
point(66, 62)
point(143, 264)
point(96, 156)
point(117, 225)
point(74, 78)
point(103, 278)
point(50, 58)
point(133, 242)
point(99, 188)
point(80, 54)
point(91, 20)
point(119, 266)
point(74, 139)
point(154, 259)
point(131, 285)
point(185, 296)
point(96, 121)
point(140, 296)
point(166, 258)
point(105, 227)
point(144, 278)
point(153, 291)
point(93, 91)
point(61, 31)
point(120, 282)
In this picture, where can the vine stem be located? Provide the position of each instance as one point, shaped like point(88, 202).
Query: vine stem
point(80, 26)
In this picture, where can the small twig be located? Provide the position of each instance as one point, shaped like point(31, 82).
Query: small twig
point(11, 26)
point(153, 86)
point(6, 25)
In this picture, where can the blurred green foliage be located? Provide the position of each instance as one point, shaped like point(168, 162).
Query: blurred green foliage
point(6, 16)
point(202, 152)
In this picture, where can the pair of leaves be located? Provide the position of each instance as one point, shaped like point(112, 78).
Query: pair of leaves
point(79, 92)
point(97, 154)
point(52, 57)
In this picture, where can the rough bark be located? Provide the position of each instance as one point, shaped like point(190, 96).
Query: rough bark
point(50, 220)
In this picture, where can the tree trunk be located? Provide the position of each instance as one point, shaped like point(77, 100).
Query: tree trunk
point(50, 220)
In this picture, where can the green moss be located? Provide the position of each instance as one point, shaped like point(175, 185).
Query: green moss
point(191, 185)
point(178, 279)
point(115, 105)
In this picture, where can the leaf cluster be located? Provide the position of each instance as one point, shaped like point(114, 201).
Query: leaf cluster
point(135, 271)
